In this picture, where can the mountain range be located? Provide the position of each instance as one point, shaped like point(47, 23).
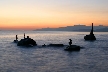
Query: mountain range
point(78, 28)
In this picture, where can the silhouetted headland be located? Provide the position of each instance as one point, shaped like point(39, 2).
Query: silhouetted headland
point(90, 36)
point(77, 28)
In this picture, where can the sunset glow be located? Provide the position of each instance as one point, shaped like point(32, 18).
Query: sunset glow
point(35, 14)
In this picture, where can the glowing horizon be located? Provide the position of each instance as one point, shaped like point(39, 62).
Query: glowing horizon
point(35, 14)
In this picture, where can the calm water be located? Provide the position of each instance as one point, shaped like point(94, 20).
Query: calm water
point(92, 58)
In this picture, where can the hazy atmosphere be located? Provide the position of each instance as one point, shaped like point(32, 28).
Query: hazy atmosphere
point(53, 35)
point(35, 14)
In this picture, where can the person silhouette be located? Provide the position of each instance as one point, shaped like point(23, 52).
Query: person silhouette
point(16, 37)
point(70, 43)
point(24, 35)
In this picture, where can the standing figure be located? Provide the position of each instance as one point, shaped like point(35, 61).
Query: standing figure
point(70, 43)
point(16, 37)
point(24, 35)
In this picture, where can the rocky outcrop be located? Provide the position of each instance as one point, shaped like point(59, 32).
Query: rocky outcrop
point(72, 48)
point(26, 42)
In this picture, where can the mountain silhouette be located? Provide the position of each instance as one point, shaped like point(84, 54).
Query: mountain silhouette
point(78, 28)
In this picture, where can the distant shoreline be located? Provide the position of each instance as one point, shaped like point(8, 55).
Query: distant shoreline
point(74, 31)
point(78, 28)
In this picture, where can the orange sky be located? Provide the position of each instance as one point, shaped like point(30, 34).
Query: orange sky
point(29, 15)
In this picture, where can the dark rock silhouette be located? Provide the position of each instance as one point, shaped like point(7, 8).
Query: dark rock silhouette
point(90, 36)
point(56, 45)
point(26, 42)
point(44, 45)
point(72, 47)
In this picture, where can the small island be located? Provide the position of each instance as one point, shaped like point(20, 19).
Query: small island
point(72, 47)
point(25, 42)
